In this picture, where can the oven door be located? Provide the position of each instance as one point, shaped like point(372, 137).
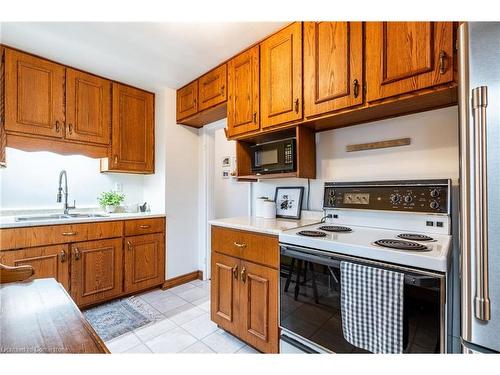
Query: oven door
point(310, 302)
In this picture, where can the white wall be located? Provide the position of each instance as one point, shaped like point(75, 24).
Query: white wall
point(433, 153)
point(30, 181)
point(230, 196)
point(181, 145)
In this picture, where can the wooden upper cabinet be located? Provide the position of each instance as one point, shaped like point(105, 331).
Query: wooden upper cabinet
point(132, 141)
point(212, 88)
point(88, 107)
point(34, 99)
point(281, 77)
point(187, 100)
point(333, 66)
point(96, 271)
point(47, 261)
point(402, 57)
point(243, 107)
point(144, 261)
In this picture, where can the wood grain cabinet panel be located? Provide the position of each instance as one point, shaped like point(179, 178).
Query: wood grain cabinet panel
point(212, 88)
point(34, 100)
point(333, 66)
point(132, 141)
point(3, 135)
point(243, 106)
point(144, 261)
point(96, 271)
point(225, 292)
point(144, 226)
point(88, 107)
point(259, 306)
point(281, 77)
point(48, 261)
point(187, 101)
point(402, 57)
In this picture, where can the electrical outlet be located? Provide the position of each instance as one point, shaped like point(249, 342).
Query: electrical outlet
point(118, 187)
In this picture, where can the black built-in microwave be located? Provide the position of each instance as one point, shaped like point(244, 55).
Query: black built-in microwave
point(274, 157)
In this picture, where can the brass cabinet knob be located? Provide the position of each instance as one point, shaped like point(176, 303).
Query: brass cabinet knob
point(244, 275)
point(77, 254)
point(62, 256)
point(235, 272)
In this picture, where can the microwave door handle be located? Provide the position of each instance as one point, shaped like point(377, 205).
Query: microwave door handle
point(482, 299)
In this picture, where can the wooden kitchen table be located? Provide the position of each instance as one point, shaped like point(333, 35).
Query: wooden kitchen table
point(40, 317)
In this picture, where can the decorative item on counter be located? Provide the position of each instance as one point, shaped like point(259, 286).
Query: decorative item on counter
point(131, 207)
point(110, 200)
point(289, 202)
point(259, 206)
point(268, 209)
point(144, 207)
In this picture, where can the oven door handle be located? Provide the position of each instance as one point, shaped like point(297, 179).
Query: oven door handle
point(410, 278)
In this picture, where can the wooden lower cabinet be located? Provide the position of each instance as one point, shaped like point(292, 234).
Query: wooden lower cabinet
point(144, 261)
point(258, 308)
point(244, 293)
point(225, 292)
point(96, 271)
point(47, 261)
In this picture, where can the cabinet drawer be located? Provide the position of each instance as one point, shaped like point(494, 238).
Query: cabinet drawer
point(16, 238)
point(108, 229)
point(144, 226)
point(255, 247)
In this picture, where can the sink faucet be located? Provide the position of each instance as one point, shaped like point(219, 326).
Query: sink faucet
point(59, 193)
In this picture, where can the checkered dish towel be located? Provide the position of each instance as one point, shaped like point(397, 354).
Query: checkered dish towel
point(372, 308)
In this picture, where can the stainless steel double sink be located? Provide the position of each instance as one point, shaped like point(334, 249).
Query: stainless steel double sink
point(58, 217)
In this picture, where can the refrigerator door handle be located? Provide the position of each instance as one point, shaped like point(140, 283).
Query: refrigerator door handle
point(482, 299)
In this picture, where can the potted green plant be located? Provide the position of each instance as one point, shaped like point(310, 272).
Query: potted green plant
point(110, 200)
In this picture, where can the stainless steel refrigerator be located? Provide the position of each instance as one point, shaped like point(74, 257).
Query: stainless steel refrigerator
point(479, 101)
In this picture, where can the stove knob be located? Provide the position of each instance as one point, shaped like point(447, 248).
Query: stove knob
point(434, 193)
point(434, 205)
point(331, 201)
point(395, 198)
point(332, 193)
point(408, 199)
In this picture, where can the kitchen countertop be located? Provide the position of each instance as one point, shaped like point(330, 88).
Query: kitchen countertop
point(267, 226)
point(10, 222)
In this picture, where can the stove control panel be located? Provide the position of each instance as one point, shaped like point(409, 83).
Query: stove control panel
point(429, 196)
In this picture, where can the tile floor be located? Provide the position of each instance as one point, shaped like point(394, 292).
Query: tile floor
point(185, 328)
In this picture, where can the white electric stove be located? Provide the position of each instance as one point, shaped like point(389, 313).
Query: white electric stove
point(404, 226)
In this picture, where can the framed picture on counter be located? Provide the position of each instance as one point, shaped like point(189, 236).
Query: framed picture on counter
point(289, 201)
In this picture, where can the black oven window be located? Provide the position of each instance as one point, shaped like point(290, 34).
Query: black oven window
point(310, 307)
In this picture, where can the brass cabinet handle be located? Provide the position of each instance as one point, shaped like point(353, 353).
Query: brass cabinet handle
point(442, 62)
point(355, 87)
point(255, 117)
point(77, 254)
point(58, 126)
point(244, 275)
point(70, 128)
point(116, 159)
point(69, 233)
point(297, 105)
point(240, 245)
point(235, 272)
point(222, 90)
point(144, 226)
point(129, 244)
point(62, 256)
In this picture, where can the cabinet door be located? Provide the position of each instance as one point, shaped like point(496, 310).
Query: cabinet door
point(281, 77)
point(402, 57)
point(132, 144)
point(243, 85)
point(48, 261)
point(144, 261)
point(259, 306)
point(88, 107)
point(212, 88)
point(34, 99)
point(333, 66)
point(224, 297)
point(187, 100)
point(96, 271)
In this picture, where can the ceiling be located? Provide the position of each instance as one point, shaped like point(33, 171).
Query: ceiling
point(145, 54)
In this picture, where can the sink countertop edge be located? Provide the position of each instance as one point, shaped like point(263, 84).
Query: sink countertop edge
point(9, 221)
